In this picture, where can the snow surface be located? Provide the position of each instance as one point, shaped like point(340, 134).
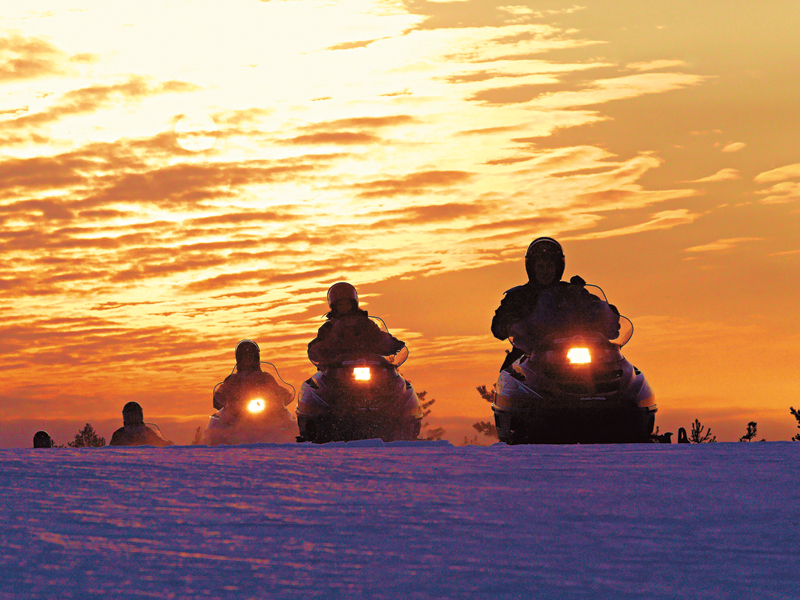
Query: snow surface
point(404, 520)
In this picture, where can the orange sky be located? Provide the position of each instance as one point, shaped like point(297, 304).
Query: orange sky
point(413, 148)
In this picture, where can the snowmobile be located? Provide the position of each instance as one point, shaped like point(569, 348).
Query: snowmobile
point(257, 414)
point(573, 385)
point(357, 396)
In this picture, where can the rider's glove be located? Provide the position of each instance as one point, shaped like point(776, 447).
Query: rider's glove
point(577, 280)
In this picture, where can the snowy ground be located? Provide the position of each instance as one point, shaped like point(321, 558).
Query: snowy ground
point(419, 520)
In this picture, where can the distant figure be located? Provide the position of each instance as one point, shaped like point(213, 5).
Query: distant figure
point(248, 378)
point(134, 431)
point(42, 439)
point(349, 329)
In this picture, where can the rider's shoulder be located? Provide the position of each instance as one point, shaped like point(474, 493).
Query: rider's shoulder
point(518, 290)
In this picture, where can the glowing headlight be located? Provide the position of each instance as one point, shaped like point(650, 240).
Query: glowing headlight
point(256, 406)
point(361, 373)
point(579, 356)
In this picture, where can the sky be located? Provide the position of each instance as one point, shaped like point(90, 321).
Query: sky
point(176, 177)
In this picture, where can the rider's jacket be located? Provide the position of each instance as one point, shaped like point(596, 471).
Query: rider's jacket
point(138, 435)
point(550, 304)
point(253, 383)
point(352, 332)
point(517, 304)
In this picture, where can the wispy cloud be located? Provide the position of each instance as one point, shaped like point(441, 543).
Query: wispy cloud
point(783, 189)
point(28, 57)
point(662, 220)
point(727, 174)
point(733, 147)
point(780, 174)
point(722, 245)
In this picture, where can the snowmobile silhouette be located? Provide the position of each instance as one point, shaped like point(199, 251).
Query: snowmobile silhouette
point(252, 403)
point(42, 439)
point(358, 394)
point(135, 432)
point(572, 384)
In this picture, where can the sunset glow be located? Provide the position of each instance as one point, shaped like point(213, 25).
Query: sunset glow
point(178, 176)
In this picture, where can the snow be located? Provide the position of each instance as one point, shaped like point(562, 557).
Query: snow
point(412, 520)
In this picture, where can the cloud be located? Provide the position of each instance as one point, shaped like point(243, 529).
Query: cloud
point(666, 219)
point(721, 175)
point(617, 88)
point(412, 184)
point(780, 174)
point(353, 45)
point(722, 244)
point(361, 123)
point(655, 65)
point(734, 147)
point(346, 132)
point(426, 215)
point(343, 138)
point(92, 98)
point(23, 58)
point(783, 189)
point(781, 193)
point(516, 94)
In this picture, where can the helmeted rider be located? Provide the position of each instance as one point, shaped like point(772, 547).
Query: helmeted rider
point(42, 439)
point(249, 379)
point(546, 295)
point(134, 432)
point(349, 329)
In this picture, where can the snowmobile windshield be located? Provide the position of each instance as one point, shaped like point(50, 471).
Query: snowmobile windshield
point(397, 358)
point(570, 311)
point(268, 367)
point(272, 371)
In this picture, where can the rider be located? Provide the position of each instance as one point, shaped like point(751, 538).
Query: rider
point(349, 329)
point(249, 378)
point(544, 264)
point(42, 439)
point(134, 432)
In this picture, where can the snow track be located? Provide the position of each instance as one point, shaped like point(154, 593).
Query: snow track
point(404, 520)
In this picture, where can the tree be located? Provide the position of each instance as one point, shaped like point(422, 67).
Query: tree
point(698, 437)
point(198, 437)
point(485, 427)
point(796, 414)
point(486, 394)
point(87, 438)
point(427, 433)
point(751, 432)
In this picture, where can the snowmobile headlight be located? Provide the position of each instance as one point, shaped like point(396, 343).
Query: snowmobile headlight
point(579, 356)
point(361, 374)
point(256, 406)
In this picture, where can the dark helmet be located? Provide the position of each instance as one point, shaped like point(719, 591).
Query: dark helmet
point(42, 439)
point(132, 414)
point(544, 247)
point(247, 347)
point(342, 291)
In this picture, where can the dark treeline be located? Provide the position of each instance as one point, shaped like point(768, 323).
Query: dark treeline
point(87, 437)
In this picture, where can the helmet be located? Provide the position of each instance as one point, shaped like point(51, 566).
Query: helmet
point(544, 247)
point(342, 291)
point(247, 347)
point(132, 414)
point(42, 439)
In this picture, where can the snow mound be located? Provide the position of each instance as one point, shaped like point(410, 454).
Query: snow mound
point(404, 520)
